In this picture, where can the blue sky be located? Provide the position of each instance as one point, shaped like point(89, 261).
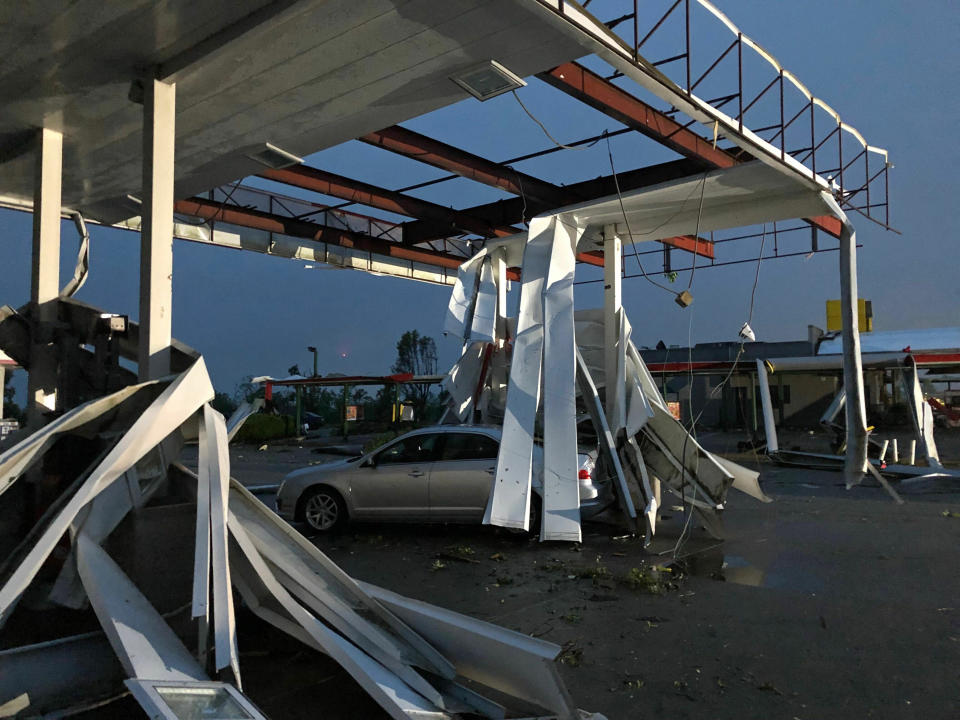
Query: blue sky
point(889, 68)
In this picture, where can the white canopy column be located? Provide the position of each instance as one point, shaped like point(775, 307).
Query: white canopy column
point(45, 271)
point(156, 233)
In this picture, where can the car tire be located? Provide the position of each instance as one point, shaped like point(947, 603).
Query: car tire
point(323, 509)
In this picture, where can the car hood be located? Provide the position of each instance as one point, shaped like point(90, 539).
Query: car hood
point(322, 468)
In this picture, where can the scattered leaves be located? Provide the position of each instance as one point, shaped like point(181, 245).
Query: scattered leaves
point(438, 565)
point(571, 654)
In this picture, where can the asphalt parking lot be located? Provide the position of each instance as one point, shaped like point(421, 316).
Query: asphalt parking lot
point(826, 603)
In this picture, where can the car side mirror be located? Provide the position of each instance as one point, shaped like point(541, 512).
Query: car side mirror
point(369, 462)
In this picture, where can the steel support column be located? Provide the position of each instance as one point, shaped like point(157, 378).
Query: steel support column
point(156, 234)
point(45, 272)
point(612, 304)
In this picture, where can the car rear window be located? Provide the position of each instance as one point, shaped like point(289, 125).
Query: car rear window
point(469, 446)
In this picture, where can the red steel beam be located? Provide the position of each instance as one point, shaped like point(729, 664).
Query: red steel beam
point(446, 157)
point(512, 210)
point(270, 222)
point(601, 94)
point(433, 152)
point(326, 183)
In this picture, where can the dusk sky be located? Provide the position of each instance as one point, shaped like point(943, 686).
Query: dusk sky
point(889, 68)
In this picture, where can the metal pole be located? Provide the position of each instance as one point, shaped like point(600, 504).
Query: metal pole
point(346, 397)
point(299, 415)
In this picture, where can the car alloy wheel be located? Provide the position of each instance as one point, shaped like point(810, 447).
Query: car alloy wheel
point(323, 511)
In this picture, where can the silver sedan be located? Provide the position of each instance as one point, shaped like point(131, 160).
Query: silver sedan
point(437, 474)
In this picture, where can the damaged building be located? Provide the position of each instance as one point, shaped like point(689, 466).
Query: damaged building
point(122, 568)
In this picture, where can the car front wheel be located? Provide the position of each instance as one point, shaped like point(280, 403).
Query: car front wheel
point(324, 510)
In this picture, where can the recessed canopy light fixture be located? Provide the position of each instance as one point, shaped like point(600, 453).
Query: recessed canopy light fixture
point(487, 80)
point(274, 157)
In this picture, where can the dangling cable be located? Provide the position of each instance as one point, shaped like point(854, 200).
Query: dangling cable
point(547, 132)
point(623, 211)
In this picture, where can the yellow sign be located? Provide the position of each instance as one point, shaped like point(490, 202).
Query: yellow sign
point(835, 317)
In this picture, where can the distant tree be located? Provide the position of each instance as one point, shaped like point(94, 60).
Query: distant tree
point(223, 404)
point(416, 354)
point(10, 408)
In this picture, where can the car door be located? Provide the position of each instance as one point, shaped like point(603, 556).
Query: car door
point(396, 485)
point(462, 476)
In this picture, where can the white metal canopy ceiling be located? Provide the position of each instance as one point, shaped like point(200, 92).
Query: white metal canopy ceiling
point(302, 75)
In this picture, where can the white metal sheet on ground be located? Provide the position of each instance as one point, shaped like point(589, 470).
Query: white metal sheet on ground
point(508, 661)
point(509, 504)
point(561, 487)
point(188, 392)
point(266, 529)
point(391, 693)
point(144, 643)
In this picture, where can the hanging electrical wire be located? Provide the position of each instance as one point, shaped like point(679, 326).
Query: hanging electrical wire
point(547, 132)
point(623, 211)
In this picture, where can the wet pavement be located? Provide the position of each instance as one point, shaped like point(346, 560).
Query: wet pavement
point(827, 603)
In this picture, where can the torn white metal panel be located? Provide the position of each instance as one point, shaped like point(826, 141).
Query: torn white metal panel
point(921, 414)
point(769, 424)
point(834, 408)
point(168, 412)
point(18, 458)
point(295, 571)
point(500, 278)
point(144, 643)
point(463, 297)
point(561, 488)
point(513, 663)
point(688, 461)
point(461, 381)
point(240, 416)
point(607, 443)
point(744, 479)
point(269, 530)
point(483, 327)
point(218, 472)
point(509, 504)
point(200, 605)
point(391, 693)
point(366, 637)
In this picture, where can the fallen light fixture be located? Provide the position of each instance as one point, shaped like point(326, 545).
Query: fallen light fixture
point(273, 157)
point(683, 299)
point(487, 80)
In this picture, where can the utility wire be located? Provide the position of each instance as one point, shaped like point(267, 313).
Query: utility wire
point(623, 211)
point(547, 132)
